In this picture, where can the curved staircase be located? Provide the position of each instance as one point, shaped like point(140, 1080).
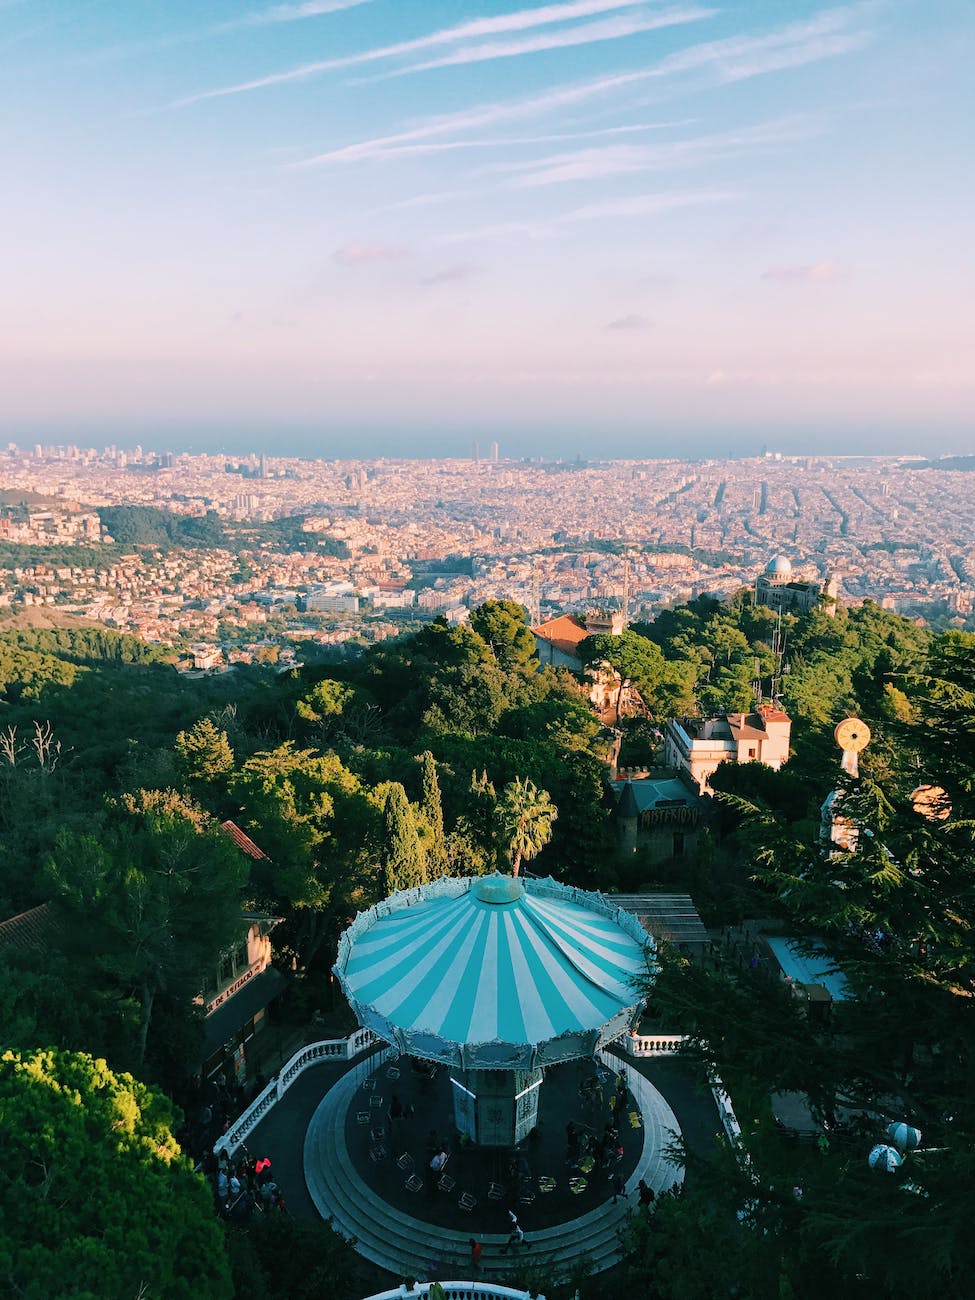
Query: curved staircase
point(407, 1246)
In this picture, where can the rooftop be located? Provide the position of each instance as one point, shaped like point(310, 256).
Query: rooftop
point(564, 633)
point(29, 930)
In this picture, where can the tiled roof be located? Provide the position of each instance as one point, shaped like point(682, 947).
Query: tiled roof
point(244, 841)
point(31, 929)
point(564, 632)
point(771, 714)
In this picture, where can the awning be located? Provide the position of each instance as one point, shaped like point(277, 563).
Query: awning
point(221, 1025)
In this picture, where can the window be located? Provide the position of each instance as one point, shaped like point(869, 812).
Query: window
point(752, 751)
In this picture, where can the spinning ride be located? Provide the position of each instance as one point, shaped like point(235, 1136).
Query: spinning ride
point(496, 977)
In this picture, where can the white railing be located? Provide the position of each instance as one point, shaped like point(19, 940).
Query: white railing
point(345, 1049)
point(729, 1120)
point(666, 1045)
point(331, 1049)
point(654, 1044)
point(457, 1291)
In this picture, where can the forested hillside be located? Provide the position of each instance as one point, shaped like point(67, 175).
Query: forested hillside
point(447, 751)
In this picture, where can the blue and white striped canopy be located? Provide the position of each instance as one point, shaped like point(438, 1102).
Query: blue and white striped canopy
point(544, 973)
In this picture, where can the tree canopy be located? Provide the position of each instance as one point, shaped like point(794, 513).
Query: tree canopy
point(525, 818)
point(96, 1198)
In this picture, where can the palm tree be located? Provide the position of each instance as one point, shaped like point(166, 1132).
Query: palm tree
point(526, 815)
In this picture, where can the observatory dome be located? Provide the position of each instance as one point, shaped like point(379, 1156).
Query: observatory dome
point(780, 567)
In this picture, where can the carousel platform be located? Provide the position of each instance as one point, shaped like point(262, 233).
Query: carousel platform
point(370, 1172)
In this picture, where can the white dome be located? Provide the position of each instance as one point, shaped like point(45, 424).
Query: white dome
point(780, 567)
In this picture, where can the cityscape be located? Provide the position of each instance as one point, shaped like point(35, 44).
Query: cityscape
point(377, 545)
point(487, 650)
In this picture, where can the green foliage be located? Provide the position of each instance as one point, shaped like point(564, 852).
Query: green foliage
point(148, 526)
point(503, 626)
point(311, 816)
point(403, 861)
point(96, 1198)
point(151, 900)
point(277, 1256)
point(634, 657)
point(432, 809)
point(897, 917)
point(92, 555)
point(204, 753)
point(525, 818)
point(85, 644)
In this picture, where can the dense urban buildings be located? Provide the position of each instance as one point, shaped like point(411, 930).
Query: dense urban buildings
point(375, 545)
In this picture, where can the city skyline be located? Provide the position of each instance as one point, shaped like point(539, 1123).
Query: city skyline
point(595, 227)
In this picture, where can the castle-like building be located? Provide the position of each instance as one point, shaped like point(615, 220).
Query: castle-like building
point(780, 588)
point(695, 747)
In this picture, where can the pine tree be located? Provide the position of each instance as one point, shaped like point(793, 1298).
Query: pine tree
point(433, 812)
point(403, 863)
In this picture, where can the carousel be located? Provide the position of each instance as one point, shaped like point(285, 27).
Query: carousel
point(496, 978)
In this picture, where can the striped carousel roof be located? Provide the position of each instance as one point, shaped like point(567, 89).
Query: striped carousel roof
point(493, 961)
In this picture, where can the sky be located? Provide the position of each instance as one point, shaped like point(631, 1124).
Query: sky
point(391, 227)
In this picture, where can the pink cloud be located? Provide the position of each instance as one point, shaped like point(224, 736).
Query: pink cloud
point(451, 274)
point(362, 254)
point(632, 322)
point(816, 273)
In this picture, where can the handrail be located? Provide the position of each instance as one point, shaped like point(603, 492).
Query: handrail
point(457, 1291)
point(345, 1049)
point(729, 1120)
point(642, 1045)
point(330, 1049)
point(654, 1044)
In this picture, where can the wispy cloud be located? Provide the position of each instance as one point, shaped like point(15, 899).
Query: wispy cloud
point(471, 119)
point(456, 272)
point(502, 24)
point(645, 205)
point(632, 322)
point(591, 33)
point(815, 273)
point(636, 205)
point(732, 59)
point(295, 12)
point(615, 160)
point(362, 254)
point(517, 141)
point(737, 58)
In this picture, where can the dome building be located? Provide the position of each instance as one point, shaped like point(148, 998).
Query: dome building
point(778, 588)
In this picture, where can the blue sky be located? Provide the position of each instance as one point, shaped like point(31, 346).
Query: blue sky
point(391, 226)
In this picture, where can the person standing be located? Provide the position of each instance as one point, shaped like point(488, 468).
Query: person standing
point(476, 1251)
point(517, 1237)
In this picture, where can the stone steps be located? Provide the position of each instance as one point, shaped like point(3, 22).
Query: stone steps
point(405, 1246)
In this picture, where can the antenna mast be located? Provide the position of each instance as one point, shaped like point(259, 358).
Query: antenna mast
point(535, 610)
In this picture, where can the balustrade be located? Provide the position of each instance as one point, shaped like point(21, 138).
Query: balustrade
point(654, 1044)
point(329, 1049)
point(457, 1291)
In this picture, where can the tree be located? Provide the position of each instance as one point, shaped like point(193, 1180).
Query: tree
point(896, 916)
point(502, 624)
point(204, 754)
point(154, 898)
point(634, 657)
point(96, 1197)
point(525, 817)
point(402, 857)
point(432, 808)
point(276, 1255)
